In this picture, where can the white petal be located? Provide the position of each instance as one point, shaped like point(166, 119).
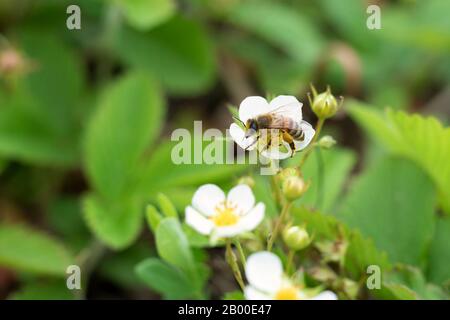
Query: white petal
point(242, 197)
point(206, 198)
point(197, 221)
point(264, 271)
point(238, 136)
point(252, 106)
point(228, 231)
point(251, 293)
point(326, 295)
point(309, 134)
point(287, 106)
point(252, 219)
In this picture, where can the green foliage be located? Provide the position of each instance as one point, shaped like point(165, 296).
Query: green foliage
point(118, 267)
point(393, 203)
point(405, 282)
point(439, 255)
point(178, 274)
point(146, 14)
point(422, 140)
point(185, 66)
point(116, 223)
point(290, 30)
point(127, 120)
point(166, 206)
point(165, 279)
point(173, 246)
point(361, 251)
point(43, 290)
point(31, 251)
point(85, 150)
point(153, 217)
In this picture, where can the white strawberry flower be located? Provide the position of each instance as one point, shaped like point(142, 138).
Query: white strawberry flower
point(212, 213)
point(264, 273)
point(287, 106)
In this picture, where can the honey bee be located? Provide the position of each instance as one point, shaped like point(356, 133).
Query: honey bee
point(280, 123)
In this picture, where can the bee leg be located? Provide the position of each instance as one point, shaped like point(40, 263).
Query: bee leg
point(289, 139)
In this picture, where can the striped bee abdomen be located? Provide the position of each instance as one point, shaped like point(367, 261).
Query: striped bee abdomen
point(294, 129)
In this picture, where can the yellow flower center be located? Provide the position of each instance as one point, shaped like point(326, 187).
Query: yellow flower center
point(287, 293)
point(225, 215)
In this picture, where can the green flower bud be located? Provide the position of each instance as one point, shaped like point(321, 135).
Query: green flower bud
point(293, 187)
point(327, 142)
point(287, 172)
point(351, 288)
point(247, 180)
point(296, 238)
point(324, 104)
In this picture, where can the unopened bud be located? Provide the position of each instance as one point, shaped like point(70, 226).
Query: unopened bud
point(11, 61)
point(327, 142)
point(247, 180)
point(296, 238)
point(288, 172)
point(324, 104)
point(293, 187)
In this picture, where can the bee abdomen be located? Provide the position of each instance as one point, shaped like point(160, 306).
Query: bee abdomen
point(296, 131)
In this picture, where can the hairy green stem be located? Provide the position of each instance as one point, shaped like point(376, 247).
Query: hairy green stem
point(241, 252)
point(290, 261)
point(276, 230)
point(313, 142)
point(232, 261)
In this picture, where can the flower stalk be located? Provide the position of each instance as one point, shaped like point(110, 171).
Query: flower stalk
point(276, 230)
point(308, 151)
point(232, 261)
point(240, 252)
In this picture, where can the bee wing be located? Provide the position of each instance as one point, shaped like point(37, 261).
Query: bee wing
point(287, 106)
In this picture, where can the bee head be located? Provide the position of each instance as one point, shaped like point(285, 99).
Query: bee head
point(252, 127)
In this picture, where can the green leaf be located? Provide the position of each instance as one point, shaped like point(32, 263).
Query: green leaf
point(166, 206)
point(394, 291)
point(184, 64)
point(173, 247)
point(421, 139)
point(403, 276)
point(43, 290)
point(438, 269)
point(290, 30)
point(146, 14)
point(165, 279)
point(56, 82)
point(28, 250)
point(27, 136)
point(127, 120)
point(393, 203)
point(116, 223)
point(153, 217)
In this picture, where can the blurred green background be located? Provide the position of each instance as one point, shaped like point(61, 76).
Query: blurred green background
point(85, 118)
